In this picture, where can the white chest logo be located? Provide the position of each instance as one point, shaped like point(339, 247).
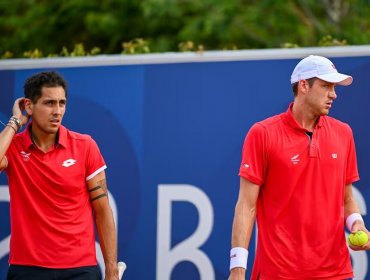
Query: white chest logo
point(69, 162)
point(334, 155)
point(25, 156)
point(295, 159)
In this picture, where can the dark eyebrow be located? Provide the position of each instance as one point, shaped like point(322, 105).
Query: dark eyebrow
point(55, 100)
point(328, 83)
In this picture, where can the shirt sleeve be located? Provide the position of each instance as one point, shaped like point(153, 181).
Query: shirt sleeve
point(12, 150)
point(254, 154)
point(94, 160)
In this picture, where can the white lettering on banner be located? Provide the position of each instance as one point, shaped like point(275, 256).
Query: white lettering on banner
point(359, 258)
point(4, 244)
point(188, 249)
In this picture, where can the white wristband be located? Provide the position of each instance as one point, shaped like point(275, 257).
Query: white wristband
point(238, 257)
point(351, 219)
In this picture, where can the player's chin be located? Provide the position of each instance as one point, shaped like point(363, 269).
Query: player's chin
point(53, 129)
point(324, 112)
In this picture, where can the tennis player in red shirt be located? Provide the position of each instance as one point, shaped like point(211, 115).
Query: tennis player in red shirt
point(57, 188)
point(296, 180)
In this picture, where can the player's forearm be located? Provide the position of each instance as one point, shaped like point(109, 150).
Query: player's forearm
point(352, 214)
point(6, 137)
point(245, 214)
point(108, 241)
point(243, 223)
point(350, 204)
point(350, 208)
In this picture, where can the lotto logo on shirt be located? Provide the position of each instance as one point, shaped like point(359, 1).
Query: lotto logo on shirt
point(69, 162)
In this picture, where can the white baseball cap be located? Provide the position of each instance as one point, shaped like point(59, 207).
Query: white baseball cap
point(319, 67)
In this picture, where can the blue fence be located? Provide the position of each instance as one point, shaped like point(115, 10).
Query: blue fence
point(171, 134)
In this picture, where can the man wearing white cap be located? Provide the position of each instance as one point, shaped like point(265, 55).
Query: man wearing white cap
point(296, 179)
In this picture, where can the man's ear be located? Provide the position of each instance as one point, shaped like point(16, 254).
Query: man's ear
point(28, 106)
point(303, 86)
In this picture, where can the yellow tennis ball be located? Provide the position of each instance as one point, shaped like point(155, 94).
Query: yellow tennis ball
point(358, 238)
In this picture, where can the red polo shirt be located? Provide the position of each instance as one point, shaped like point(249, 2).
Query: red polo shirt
point(51, 215)
point(300, 208)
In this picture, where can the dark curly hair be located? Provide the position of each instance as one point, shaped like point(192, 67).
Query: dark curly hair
point(34, 84)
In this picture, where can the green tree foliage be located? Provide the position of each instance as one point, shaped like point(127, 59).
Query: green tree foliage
point(50, 25)
point(36, 28)
point(220, 24)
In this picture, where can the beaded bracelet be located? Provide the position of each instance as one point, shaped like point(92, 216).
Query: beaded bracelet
point(16, 121)
point(15, 130)
point(13, 124)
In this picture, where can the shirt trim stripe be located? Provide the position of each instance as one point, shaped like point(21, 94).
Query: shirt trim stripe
point(96, 172)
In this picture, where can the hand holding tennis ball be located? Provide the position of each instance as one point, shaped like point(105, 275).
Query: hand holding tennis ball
point(358, 238)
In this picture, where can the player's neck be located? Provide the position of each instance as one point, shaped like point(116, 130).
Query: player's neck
point(45, 142)
point(304, 116)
